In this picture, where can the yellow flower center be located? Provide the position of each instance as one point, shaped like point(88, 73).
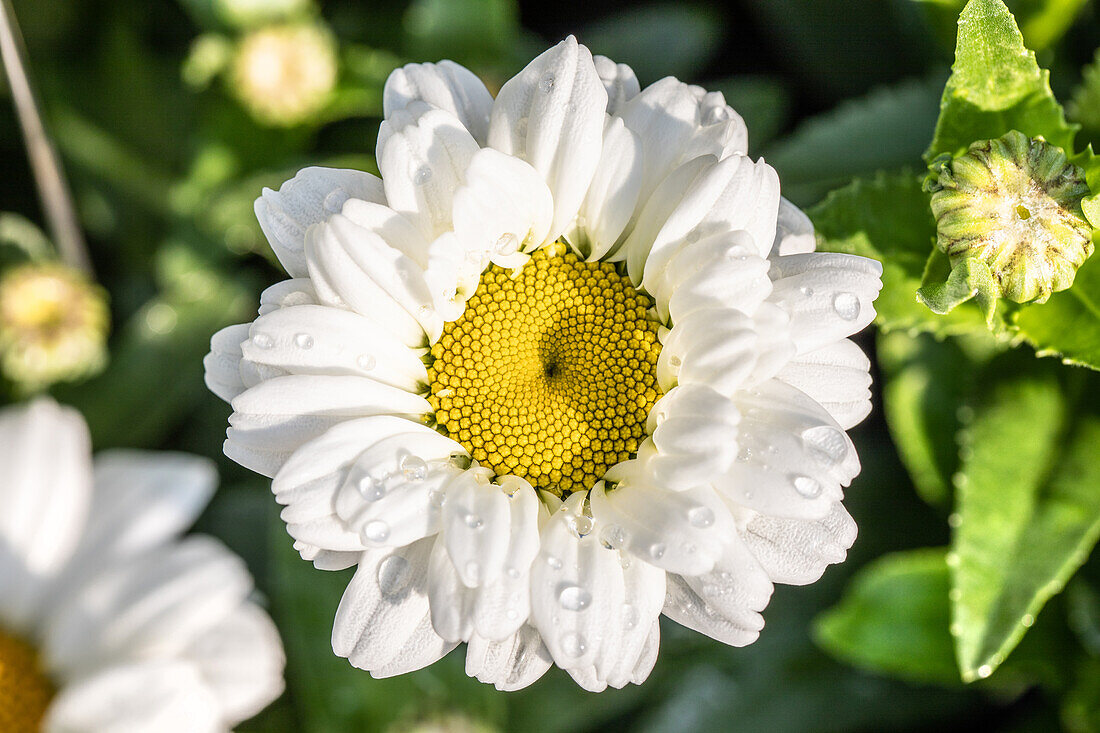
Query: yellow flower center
point(550, 373)
point(25, 692)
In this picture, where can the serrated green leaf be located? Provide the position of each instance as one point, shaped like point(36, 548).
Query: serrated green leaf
point(970, 279)
point(996, 86)
point(893, 619)
point(1027, 506)
point(888, 219)
point(1068, 325)
point(885, 130)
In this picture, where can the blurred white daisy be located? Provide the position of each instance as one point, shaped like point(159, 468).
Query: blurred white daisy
point(108, 620)
point(571, 362)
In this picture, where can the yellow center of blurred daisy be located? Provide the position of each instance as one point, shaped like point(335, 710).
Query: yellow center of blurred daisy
point(549, 374)
point(25, 692)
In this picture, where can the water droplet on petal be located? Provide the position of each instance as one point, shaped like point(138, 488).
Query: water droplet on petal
point(508, 244)
point(826, 444)
point(581, 525)
point(512, 614)
point(630, 616)
point(334, 201)
point(574, 598)
point(806, 290)
point(414, 468)
point(700, 516)
point(422, 176)
point(846, 306)
point(612, 537)
point(512, 573)
point(366, 362)
point(393, 575)
point(304, 341)
point(376, 531)
point(262, 341)
point(806, 486)
point(546, 83)
point(573, 644)
point(472, 520)
point(553, 562)
point(657, 551)
point(370, 488)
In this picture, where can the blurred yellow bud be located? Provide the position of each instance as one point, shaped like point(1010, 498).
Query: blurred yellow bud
point(285, 74)
point(53, 325)
point(1015, 204)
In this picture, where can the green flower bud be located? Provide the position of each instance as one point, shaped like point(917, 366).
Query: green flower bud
point(1015, 204)
point(285, 74)
point(53, 326)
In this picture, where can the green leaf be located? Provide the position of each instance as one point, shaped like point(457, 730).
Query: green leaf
point(885, 130)
point(477, 33)
point(666, 39)
point(969, 279)
point(888, 219)
point(893, 619)
point(1068, 325)
point(1081, 703)
point(1026, 504)
point(925, 383)
point(996, 86)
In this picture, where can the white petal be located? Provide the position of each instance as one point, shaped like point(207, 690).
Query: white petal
point(222, 365)
point(684, 606)
point(695, 431)
point(644, 596)
point(828, 295)
point(45, 490)
point(679, 531)
point(720, 270)
point(511, 664)
point(793, 457)
point(163, 696)
point(242, 661)
point(447, 86)
point(383, 623)
point(734, 194)
point(296, 291)
point(326, 559)
point(613, 194)
point(487, 530)
point(577, 590)
point(551, 115)
point(796, 551)
point(307, 199)
point(738, 588)
point(648, 657)
point(714, 347)
point(279, 415)
point(393, 228)
point(152, 605)
point(677, 122)
point(794, 232)
point(373, 279)
point(423, 154)
point(619, 81)
point(309, 483)
point(837, 376)
point(504, 208)
point(317, 339)
point(453, 274)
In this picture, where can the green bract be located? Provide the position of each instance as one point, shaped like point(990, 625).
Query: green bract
point(1015, 204)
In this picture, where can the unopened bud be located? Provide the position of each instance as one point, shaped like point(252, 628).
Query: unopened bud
point(53, 326)
point(285, 74)
point(1015, 204)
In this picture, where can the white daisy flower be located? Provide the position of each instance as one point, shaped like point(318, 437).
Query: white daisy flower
point(108, 620)
point(569, 364)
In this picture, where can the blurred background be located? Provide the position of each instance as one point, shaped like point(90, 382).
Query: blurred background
point(170, 115)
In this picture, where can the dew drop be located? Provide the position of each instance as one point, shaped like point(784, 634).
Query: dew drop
point(512, 573)
point(437, 497)
point(414, 468)
point(334, 202)
point(370, 488)
point(366, 362)
point(826, 444)
point(262, 341)
point(422, 176)
point(612, 536)
point(376, 531)
point(472, 520)
point(700, 516)
point(546, 83)
point(984, 671)
point(553, 562)
point(657, 551)
point(580, 525)
point(573, 644)
point(393, 575)
point(508, 244)
point(806, 290)
point(846, 306)
point(304, 341)
point(512, 614)
point(675, 362)
point(714, 115)
point(808, 487)
point(1028, 620)
point(574, 598)
point(630, 616)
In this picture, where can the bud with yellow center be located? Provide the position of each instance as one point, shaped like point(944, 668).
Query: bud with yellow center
point(285, 74)
point(1014, 203)
point(53, 325)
